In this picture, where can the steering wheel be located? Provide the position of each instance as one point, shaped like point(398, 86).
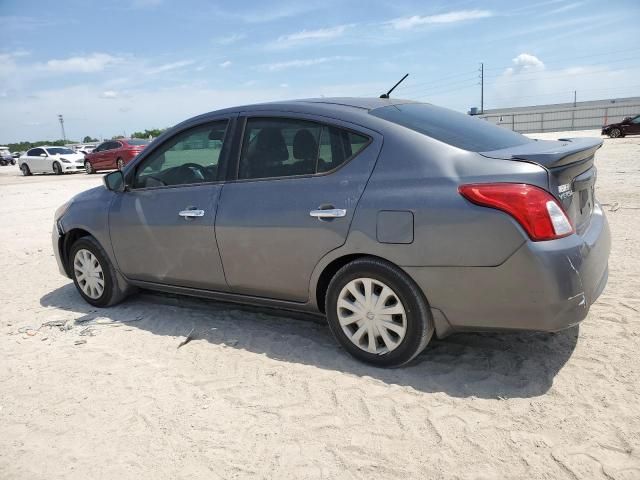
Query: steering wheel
point(196, 170)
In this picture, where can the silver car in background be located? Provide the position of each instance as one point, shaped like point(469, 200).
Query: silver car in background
point(397, 220)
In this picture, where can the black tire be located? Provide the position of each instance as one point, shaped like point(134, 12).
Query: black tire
point(13, 162)
point(119, 164)
point(57, 169)
point(419, 323)
point(88, 167)
point(615, 133)
point(25, 170)
point(3, 163)
point(112, 293)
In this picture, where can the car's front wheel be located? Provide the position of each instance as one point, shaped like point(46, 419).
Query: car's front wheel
point(93, 274)
point(377, 313)
point(88, 167)
point(615, 133)
point(57, 169)
point(119, 164)
point(25, 169)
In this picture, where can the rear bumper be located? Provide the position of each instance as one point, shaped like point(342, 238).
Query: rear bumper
point(543, 286)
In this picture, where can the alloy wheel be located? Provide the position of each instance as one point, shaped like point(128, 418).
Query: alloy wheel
point(371, 315)
point(615, 133)
point(88, 273)
point(88, 168)
point(120, 164)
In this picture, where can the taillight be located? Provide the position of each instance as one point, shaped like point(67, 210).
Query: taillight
point(535, 209)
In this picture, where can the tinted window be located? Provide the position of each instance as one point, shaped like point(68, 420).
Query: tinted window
point(636, 120)
point(274, 147)
point(113, 145)
point(35, 152)
point(189, 157)
point(337, 146)
point(100, 147)
point(137, 141)
point(59, 151)
point(453, 128)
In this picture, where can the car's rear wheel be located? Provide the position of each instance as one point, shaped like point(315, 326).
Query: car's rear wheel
point(615, 133)
point(88, 167)
point(25, 170)
point(57, 169)
point(377, 313)
point(120, 164)
point(93, 274)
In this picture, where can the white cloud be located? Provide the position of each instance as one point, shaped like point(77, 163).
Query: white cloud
point(525, 62)
point(407, 23)
point(230, 39)
point(313, 35)
point(96, 62)
point(274, 67)
point(109, 94)
point(170, 66)
point(225, 64)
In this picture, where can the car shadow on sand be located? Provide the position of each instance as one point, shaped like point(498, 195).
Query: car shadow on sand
point(484, 365)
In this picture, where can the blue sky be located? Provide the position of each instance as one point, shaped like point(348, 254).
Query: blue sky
point(119, 66)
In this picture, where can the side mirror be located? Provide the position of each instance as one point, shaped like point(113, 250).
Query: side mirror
point(627, 120)
point(114, 181)
point(44, 155)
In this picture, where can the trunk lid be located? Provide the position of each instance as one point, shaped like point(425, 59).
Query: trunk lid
point(572, 174)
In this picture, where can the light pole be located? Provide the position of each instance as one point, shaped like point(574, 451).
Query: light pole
point(64, 136)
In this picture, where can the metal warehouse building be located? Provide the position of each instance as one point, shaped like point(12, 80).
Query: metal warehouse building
point(564, 116)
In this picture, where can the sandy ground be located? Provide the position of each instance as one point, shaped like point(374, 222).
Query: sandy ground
point(265, 395)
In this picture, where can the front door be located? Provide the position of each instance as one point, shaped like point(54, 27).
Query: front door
point(162, 228)
point(297, 188)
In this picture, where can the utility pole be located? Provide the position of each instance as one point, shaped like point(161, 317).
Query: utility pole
point(575, 94)
point(481, 87)
point(64, 136)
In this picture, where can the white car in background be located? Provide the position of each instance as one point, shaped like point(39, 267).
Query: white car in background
point(56, 160)
point(85, 148)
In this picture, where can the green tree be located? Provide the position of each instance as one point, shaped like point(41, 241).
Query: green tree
point(154, 132)
point(88, 139)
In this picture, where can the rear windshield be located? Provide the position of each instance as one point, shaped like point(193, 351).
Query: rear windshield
point(137, 141)
point(456, 129)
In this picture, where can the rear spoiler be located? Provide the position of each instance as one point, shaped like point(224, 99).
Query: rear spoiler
point(550, 153)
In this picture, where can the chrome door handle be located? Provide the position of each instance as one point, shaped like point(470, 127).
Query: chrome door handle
point(329, 213)
point(191, 213)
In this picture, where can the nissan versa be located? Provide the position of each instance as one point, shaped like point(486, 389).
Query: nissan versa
point(395, 219)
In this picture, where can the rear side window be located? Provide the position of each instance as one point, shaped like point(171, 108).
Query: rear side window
point(276, 147)
point(453, 128)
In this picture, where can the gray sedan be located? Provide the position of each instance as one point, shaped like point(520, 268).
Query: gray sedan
point(397, 220)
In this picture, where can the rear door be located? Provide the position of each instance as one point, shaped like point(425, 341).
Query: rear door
point(162, 227)
point(114, 152)
point(290, 201)
point(634, 126)
point(97, 155)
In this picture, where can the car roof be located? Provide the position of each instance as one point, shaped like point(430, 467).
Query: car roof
point(346, 108)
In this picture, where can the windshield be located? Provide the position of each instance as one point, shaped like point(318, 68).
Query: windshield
point(137, 141)
point(59, 151)
point(456, 129)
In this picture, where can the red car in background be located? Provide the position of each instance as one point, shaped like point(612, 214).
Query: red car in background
point(113, 154)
